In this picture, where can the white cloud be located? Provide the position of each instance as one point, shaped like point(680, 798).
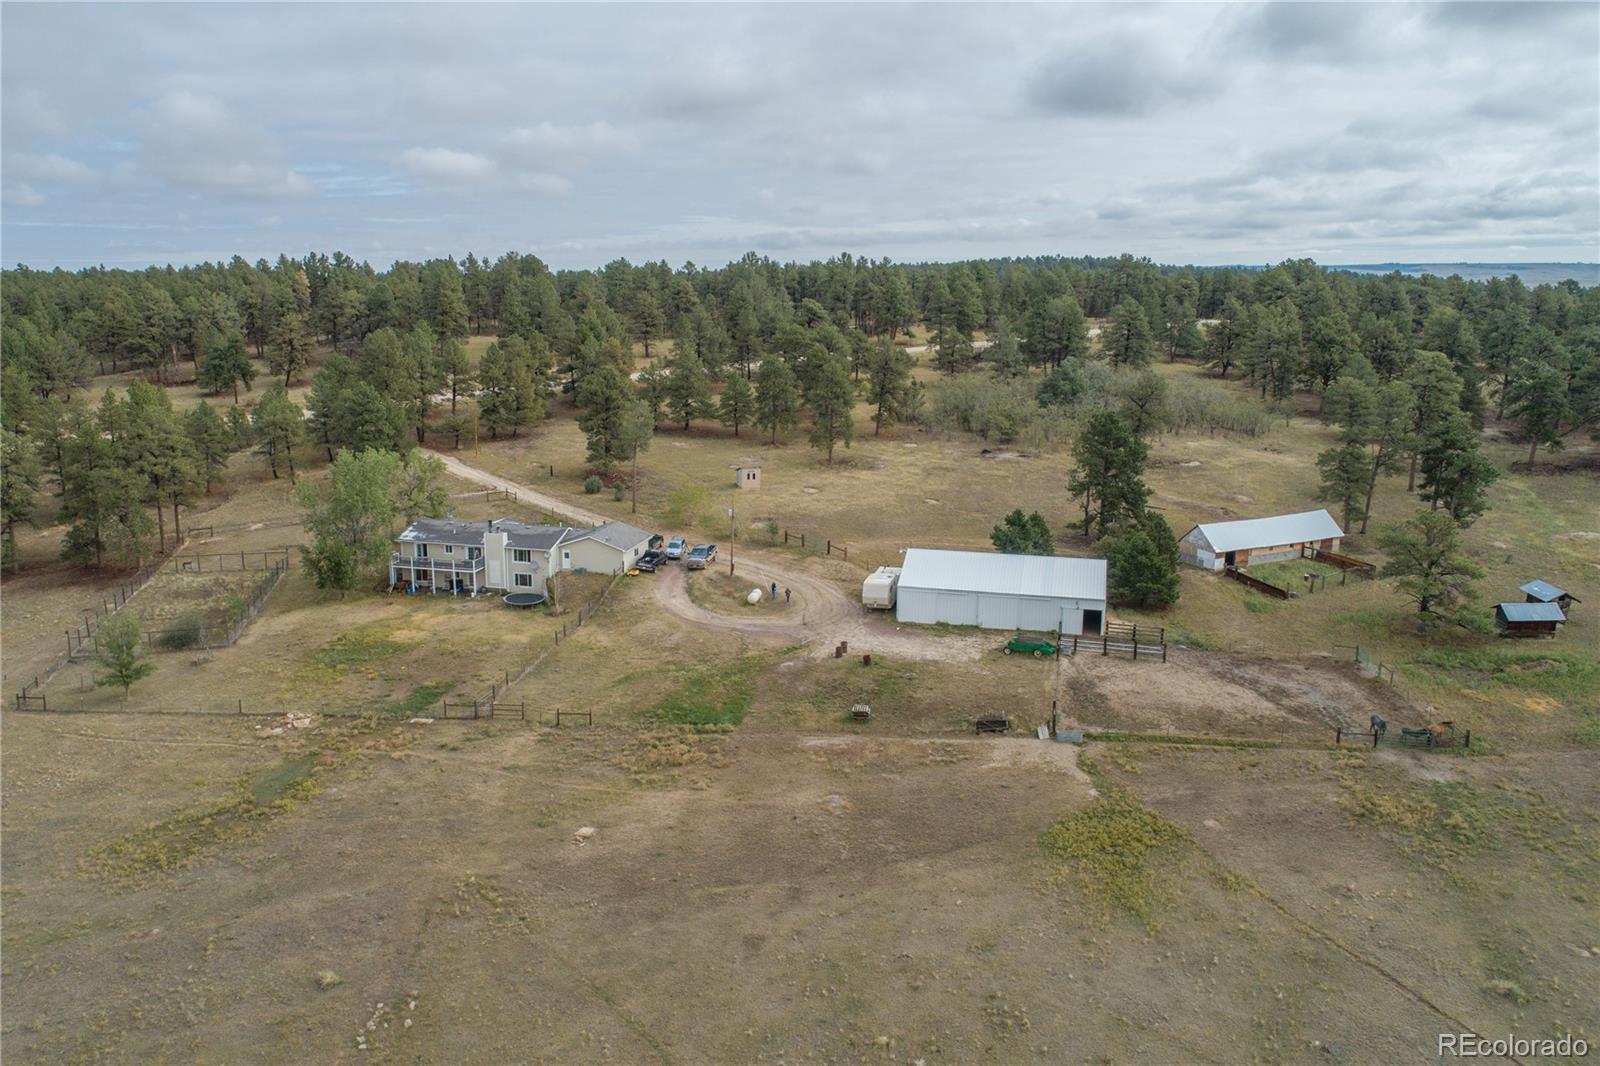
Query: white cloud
point(549, 146)
point(46, 167)
point(23, 195)
point(544, 184)
point(449, 165)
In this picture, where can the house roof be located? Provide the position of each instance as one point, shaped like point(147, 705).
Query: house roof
point(1003, 574)
point(444, 531)
point(1269, 532)
point(618, 535)
point(452, 531)
point(1543, 590)
point(1531, 612)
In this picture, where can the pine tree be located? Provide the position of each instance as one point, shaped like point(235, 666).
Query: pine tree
point(1142, 564)
point(1425, 554)
point(1345, 476)
point(20, 474)
point(1055, 332)
point(777, 396)
point(458, 372)
point(605, 402)
point(210, 442)
point(1005, 355)
point(831, 399)
point(888, 384)
point(1538, 399)
point(1454, 472)
point(1436, 394)
point(1108, 474)
point(278, 427)
point(737, 404)
point(291, 347)
point(227, 365)
point(1125, 339)
point(688, 396)
point(1020, 534)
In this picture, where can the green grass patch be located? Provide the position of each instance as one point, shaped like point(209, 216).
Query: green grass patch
point(1563, 672)
point(1290, 574)
point(420, 700)
point(1115, 847)
point(358, 646)
point(1256, 603)
point(176, 842)
point(1445, 822)
point(712, 695)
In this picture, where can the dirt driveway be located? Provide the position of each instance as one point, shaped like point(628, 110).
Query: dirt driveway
point(827, 615)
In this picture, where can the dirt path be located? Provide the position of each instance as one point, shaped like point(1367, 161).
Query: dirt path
point(539, 499)
point(827, 615)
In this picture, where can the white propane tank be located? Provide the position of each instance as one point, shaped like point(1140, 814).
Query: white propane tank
point(754, 597)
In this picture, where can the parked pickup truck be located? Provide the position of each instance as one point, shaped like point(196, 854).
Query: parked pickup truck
point(650, 560)
point(1037, 648)
point(701, 556)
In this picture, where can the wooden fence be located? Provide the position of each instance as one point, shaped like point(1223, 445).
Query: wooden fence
point(82, 642)
point(1365, 662)
point(1347, 563)
point(1123, 638)
point(829, 546)
point(1256, 583)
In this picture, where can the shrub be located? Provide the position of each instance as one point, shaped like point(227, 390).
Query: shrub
point(686, 502)
point(618, 492)
point(182, 634)
point(592, 484)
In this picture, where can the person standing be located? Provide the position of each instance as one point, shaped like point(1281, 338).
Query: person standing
point(785, 595)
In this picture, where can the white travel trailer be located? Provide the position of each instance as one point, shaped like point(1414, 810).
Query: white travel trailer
point(877, 591)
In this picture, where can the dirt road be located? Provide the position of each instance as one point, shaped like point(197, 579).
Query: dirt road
point(826, 614)
point(549, 503)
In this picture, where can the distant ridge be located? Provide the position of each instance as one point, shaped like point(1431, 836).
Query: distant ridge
point(1531, 273)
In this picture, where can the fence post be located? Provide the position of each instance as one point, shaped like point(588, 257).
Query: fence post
point(1337, 735)
point(802, 540)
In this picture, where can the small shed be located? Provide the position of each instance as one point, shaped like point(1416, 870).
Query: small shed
point(1528, 619)
point(747, 474)
point(1543, 592)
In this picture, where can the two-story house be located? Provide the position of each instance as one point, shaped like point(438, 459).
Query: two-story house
point(448, 555)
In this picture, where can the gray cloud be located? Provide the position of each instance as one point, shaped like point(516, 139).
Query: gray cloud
point(580, 133)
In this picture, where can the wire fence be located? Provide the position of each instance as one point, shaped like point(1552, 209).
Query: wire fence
point(1366, 663)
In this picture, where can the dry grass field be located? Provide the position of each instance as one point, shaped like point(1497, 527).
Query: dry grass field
point(767, 879)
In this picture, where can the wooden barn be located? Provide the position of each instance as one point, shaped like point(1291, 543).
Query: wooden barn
point(1217, 545)
point(1544, 592)
point(1528, 619)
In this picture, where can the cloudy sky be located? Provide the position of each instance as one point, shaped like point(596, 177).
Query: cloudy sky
point(135, 134)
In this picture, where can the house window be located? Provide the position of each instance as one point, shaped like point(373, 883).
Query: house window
point(523, 581)
point(449, 549)
point(473, 553)
point(521, 555)
point(422, 551)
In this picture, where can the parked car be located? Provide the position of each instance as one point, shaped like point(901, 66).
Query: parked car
point(650, 560)
point(1037, 648)
point(701, 556)
point(676, 547)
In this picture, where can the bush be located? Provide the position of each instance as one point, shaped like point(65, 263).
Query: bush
point(686, 503)
point(592, 484)
point(618, 492)
point(182, 634)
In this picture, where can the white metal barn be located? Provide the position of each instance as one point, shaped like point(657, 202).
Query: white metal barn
point(1034, 592)
point(1215, 545)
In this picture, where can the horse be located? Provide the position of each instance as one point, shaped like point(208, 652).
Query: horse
point(1380, 725)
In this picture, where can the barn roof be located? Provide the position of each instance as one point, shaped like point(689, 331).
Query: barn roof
point(1268, 532)
point(1001, 574)
point(1531, 612)
point(1543, 590)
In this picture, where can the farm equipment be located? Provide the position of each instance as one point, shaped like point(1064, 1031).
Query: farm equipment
point(1037, 648)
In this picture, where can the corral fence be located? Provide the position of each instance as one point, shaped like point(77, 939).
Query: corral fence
point(1121, 638)
point(1256, 583)
point(232, 562)
point(503, 495)
point(829, 547)
point(1401, 738)
point(82, 642)
point(1366, 663)
point(1347, 564)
